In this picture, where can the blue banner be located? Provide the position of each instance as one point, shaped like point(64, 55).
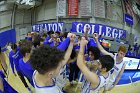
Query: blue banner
point(7, 36)
point(128, 19)
point(54, 26)
point(80, 27)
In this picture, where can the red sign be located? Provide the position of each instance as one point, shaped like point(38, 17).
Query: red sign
point(73, 7)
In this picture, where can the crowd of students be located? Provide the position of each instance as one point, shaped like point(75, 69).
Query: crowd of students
point(43, 58)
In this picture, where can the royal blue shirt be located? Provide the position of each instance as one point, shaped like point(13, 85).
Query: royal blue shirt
point(26, 70)
point(14, 59)
point(64, 45)
point(92, 43)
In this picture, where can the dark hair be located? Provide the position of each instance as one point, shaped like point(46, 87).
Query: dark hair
point(95, 51)
point(46, 58)
point(50, 32)
point(44, 35)
point(107, 62)
point(13, 46)
point(65, 34)
point(57, 32)
point(37, 41)
point(26, 47)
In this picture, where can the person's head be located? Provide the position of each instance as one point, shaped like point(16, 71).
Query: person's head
point(106, 63)
point(44, 35)
point(57, 34)
point(65, 35)
point(29, 34)
point(14, 47)
point(37, 42)
point(50, 33)
point(25, 48)
point(47, 60)
point(121, 52)
point(94, 53)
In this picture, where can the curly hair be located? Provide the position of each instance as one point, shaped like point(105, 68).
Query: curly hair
point(95, 51)
point(46, 58)
point(107, 62)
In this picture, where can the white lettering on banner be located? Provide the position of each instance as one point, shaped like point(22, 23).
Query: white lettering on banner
point(85, 27)
point(129, 19)
point(114, 33)
point(50, 26)
point(54, 27)
point(120, 33)
point(92, 29)
point(45, 27)
point(38, 28)
point(100, 29)
point(108, 31)
point(41, 27)
point(34, 28)
point(60, 26)
point(78, 28)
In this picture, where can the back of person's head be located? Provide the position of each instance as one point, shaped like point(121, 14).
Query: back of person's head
point(37, 42)
point(58, 33)
point(13, 46)
point(107, 62)
point(95, 51)
point(122, 48)
point(65, 34)
point(25, 47)
point(44, 35)
point(50, 33)
point(46, 58)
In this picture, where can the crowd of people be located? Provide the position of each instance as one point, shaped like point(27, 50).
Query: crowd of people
point(46, 58)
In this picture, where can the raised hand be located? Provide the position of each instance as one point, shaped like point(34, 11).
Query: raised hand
point(95, 36)
point(83, 42)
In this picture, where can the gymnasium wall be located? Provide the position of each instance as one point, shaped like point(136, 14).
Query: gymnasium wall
point(47, 13)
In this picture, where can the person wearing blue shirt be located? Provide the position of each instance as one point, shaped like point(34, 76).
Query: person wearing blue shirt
point(24, 63)
point(48, 62)
point(14, 57)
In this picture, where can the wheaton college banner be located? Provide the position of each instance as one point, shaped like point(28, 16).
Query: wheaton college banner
point(103, 30)
point(80, 27)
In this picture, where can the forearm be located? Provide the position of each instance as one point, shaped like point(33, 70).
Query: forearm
point(86, 34)
point(99, 45)
point(80, 58)
point(68, 53)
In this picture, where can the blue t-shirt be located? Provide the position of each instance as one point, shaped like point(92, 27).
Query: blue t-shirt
point(64, 45)
point(26, 70)
point(14, 58)
point(92, 43)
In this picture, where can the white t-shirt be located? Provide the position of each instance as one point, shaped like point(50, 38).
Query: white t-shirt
point(115, 71)
point(46, 89)
point(61, 78)
point(86, 88)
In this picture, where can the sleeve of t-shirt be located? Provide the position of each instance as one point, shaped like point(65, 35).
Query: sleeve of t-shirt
point(63, 46)
point(91, 43)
